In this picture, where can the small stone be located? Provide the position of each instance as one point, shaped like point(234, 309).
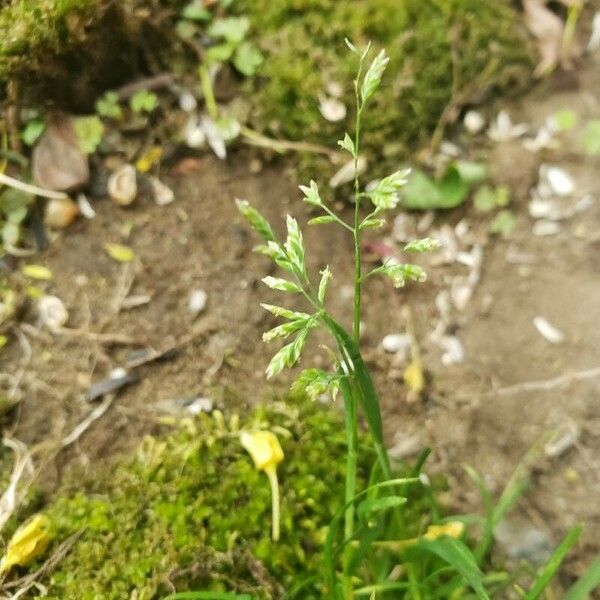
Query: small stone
point(60, 213)
point(193, 133)
point(396, 342)
point(122, 185)
point(522, 542)
point(474, 122)
point(197, 302)
point(405, 446)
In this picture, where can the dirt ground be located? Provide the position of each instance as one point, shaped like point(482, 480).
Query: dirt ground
point(473, 412)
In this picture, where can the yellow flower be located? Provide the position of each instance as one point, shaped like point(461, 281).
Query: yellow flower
point(266, 452)
point(29, 541)
point(453, 529)
point(263, 447)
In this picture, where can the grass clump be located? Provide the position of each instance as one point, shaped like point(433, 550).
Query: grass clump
point(434, 46)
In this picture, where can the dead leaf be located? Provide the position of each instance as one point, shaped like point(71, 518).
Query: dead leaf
point(57, 162)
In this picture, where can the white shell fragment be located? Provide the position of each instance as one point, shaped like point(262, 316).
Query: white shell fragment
point(394, 343)
point(559, 181)
point(548, 331)
point(562, 440)
point(544, 228)
point(346, 173)
point(163, 194)
point(474, 122)
point(199, 405)
point(504, 130)
point(332, 109)
point(197, 302)
point(52, 312)
point(122, 185)
point(188, 102)
point(193, 133)
point(594, 42)
point(85, 207)
point(454, 351)
point(214, 137)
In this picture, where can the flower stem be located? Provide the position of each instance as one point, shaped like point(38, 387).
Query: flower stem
point(272, 475)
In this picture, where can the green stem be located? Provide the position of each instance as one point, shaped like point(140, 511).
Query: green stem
point(272, 475)
point(350, 408)
point(357, 261)
point(207, 91)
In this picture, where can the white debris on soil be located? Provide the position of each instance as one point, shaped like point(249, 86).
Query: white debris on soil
point(502, 129)
point(332, 109)
point(454, 351)
point(563, 439)
point(557, 179)
point(122, 185)
point(197, 302)
point(193, 132)
point(85, 207)
point(188, 102)
point(405, 445)
point(163, 194)
point(544, 228)
point(52, 312)
point(346, 173)
point(474, 122)
point(548, 331)
point(522, 542)
point(594, 42)
point(396, 343)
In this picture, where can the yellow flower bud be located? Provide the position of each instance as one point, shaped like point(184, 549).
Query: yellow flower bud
point(27, 543)
point(453, 529)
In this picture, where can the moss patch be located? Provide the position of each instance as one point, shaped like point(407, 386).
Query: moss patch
point(191, 509)
point(433, 45)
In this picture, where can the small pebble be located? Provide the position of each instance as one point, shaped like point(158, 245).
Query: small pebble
point(558, 179)
point(187, 102)
point(474, 122)
point(396, 342)
point(197, 302)
point(52, 312)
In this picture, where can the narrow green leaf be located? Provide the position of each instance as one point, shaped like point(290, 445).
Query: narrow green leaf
point(207, 596)
point(256, 220)
point(350, 45)
point(373, 76)
point(37, 272)
point(457, 554)
point(283, 285)
point(322, 220)
point(325, 277)
point(373, 505)
point(422, 245)
point(347, 144)
point(586, 584)
point(552, 566)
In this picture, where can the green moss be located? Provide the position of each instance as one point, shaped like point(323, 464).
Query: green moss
point(192, 509)
point(304, 43)
point(32, 27)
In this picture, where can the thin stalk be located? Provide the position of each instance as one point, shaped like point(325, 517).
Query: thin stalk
point(350, 406)
point(357, 261)
point(208, 93)
point(272, 475)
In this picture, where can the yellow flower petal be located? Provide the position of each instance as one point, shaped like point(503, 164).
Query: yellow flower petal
point(263, 447)
point(453, 529)
point(414, 377)
point(27, 543)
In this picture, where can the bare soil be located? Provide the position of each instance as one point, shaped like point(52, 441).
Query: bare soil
point(469, 413)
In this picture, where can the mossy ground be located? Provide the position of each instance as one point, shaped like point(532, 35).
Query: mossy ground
point(191, 509)
point(437, 48)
